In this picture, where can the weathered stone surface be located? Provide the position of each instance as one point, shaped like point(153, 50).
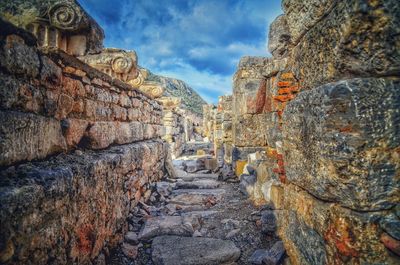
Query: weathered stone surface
point(62, 209)
point(343, 149)
point(251, 131)
point(275, 254)
point(279, 37)
point(247, 183)
point(56, 23)
point(26, 136)
point(197, 176)
point(272, 256)
point(192, 166)
point(198, 184)
point(129, 250)
point(131, 238)
point(173, 250)
point(268, 222)
point(317, 232)
point(168, 225)
point(329, 102)
point(103, 134)
point(301, 16)
point(356, 39)
point(19, 58)
point(118, 63)
point(258, 256)
point(74, 130)
point(197, 197)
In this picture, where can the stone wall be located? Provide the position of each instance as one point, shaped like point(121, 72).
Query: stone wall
point(208, 122)
point(78, 150)
point(317, 126)
point(181, 125)
point(225, 107)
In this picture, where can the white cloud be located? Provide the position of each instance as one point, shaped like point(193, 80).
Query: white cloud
point(199, 42)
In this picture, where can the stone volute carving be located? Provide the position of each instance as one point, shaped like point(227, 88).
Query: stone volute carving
point(117, 63)
point(123, 65)
point(61, 24)
point(152, 88)
point(170, 103)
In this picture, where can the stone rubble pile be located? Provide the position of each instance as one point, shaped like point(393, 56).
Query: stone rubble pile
point(189, 221)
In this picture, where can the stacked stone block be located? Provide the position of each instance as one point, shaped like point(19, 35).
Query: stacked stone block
point(225, 106)
point(78, 150)
point(180, 125)
point(208, 122)
point(330, 166)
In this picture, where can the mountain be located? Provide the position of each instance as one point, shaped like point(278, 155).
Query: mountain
point(177, 88)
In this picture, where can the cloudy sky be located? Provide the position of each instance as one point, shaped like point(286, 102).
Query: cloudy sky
point(197, 41)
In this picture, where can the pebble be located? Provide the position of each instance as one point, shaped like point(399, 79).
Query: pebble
point(132, 238)
point(129, 250)
point(233, 233)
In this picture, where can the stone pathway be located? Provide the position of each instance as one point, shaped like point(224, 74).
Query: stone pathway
point(194, 219)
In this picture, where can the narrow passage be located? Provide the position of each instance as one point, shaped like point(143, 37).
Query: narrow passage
point(196, 218)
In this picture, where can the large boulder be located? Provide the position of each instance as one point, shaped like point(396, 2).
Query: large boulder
point(174, 250)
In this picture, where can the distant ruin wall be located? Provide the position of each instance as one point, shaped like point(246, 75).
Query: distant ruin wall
point(78, 150)
point(318, 123)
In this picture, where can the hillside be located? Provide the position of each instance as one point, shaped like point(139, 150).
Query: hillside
point(177, 88)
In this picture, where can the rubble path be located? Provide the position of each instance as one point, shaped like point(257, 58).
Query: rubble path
point(193, 219)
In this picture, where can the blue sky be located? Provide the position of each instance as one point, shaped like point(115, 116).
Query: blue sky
point(197, 41)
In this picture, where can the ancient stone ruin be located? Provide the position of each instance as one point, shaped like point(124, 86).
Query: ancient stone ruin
point(100, 163)
point(315, 134)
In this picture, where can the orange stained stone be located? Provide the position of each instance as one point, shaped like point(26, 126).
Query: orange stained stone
point(283, 98)
point(288, 90)
point(282, 178)
point(347, 128)
point(340, 234)
point(279, 171)
point(272, 152)
point(391, 243)
point(85, 237)
point(284, 83)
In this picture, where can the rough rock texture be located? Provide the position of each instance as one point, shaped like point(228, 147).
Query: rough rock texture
point(56, 103)
point(168, 225)
point(71, 206)
point(345, 148)
point(357, 39)
point(279, 37)
point(318, 123)
point(302, 15)
point(26, 136)
point(209, 111)
point(117, 63)
point(179, 125)
point(173, 250)
point(317, 232)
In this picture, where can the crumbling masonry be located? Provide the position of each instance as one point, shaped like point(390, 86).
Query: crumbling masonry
point(316, 130)
point(78, 147)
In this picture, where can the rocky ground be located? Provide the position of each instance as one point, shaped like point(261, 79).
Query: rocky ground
point(197, 219)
